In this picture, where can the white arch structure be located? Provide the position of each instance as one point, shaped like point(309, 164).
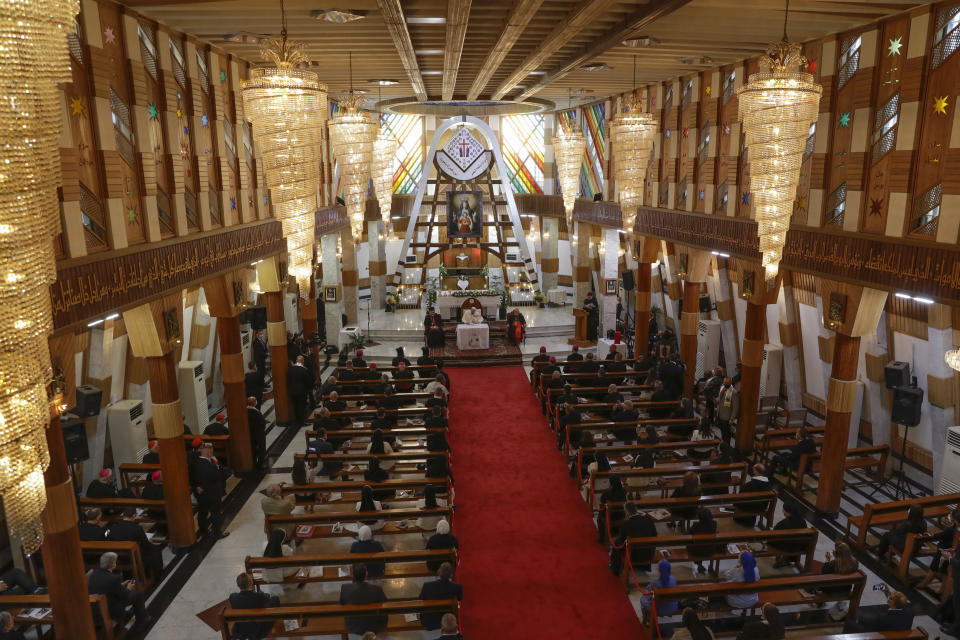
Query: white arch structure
point(494, 145)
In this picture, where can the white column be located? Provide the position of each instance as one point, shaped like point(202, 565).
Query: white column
point(377, 261)
point(610, 261)
point(549, 255)
point(331, 276)
point(792, 368)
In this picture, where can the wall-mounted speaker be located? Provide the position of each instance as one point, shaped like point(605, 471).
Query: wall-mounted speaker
point(257, 318)
point(897, 374)
point(88, 401)
point(627, 276)
point(704, 304)
point(907, 405)
point(74, 440)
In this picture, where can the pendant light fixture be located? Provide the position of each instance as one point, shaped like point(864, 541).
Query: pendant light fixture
point(568, 146)
point(384, 152)
point(631, 132)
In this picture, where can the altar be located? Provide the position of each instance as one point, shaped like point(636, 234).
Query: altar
point(473, 336)
point(447, 304)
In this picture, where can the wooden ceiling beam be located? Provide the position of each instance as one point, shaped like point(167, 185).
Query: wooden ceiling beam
point(458, 15)
point(639, 20)
point(519, 17)
point(579, 17)
point(397, 26)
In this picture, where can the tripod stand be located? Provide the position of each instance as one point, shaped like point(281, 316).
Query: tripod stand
point(898, 480)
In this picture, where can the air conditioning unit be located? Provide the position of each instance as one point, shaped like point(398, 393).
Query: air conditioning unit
point(512, 257)
point(246, 346)
point(411, 259)
point(708, 346)
point(770, 371)
point(128, 431)
point(291, 312)
point(950, 469)
point(191, 382)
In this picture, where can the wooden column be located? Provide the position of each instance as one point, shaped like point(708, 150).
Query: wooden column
point(852, 312)
point(272, 297)
point(350, 276)
point(311, 324)
point(581, 264)
point(697, 266)
point(646, 250)
point(752, 360)
point(224, 295)
point(154, 333)
point(62, 560)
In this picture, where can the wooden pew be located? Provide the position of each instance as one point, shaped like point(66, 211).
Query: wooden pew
point(728, 505)
point(350, 491)
point(111, 508)
point(391, 434)
point(913, 634)
point(775, 440)
point(403, 461)
point(221, 446)
point(677, 546)
point(885, 515)
point(323, 619)
point(373, 397)
point(136, 476)
point(323, 521)
point(371, 412)
point(780, 591)
point(738, 471)
point(563, 363)
point(856, 458)
point(660, 451)
point(399, 564)
point(606, 425)
point(390, 368)
point(129, 560)
point(17, 604)
point(375, 381)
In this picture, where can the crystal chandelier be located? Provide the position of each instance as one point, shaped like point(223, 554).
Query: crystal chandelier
point(352, 132)
point(777, 107)
point(33, 59)
point(568, 146)
point(287, 108)
point(384, 151)
point(631, 132)
point(952, 358)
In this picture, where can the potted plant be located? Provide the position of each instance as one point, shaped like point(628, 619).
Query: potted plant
point(391, 303)
point(655, 313)
point(357, 342)
point(433, 285)
point(503, 304)
point(538, 297)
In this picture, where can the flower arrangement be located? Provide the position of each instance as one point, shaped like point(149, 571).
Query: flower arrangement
point(443, 271)
point(473, 293)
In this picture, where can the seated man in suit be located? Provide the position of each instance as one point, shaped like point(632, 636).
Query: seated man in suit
point(573, 360)
point(590, 365)
point(567, 397)
point(154, 490)
point(443, 588)
point(790, 461)
point(381, 387)
point(153, 455)
point(217, 427)
point(389, 400)
point(436, 419)
point(612, 395)
point(333, 403)
point(106, 581)
point(898, 616)
point(637, 524)
point(7, 632)
point(102, 486)
point(758, 482)
point(449, 629)
point(384, 420)
point(247, 598)
point(362, 592)
point(625, 412)
point(401, 375)
point(332, 383)
point(128, 530)
point(358, 361)
point(91, 530)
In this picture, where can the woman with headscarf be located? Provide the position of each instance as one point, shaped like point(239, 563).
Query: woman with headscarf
point(442, 539)
point(745, 571)
point(378, 445)
point(374, 474)
point(769, 627)
point(366, 544)
point(430, 501)
point(368, 504)
point(691, 627)
point(276, 547)
point(663, 580)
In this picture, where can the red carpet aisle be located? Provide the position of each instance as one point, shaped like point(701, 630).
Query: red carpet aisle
point(530, 566)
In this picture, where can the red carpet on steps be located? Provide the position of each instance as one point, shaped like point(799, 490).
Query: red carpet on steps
point(530, 564)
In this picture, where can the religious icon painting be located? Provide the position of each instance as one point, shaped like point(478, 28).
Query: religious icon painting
point(464, 214)
point(331, 293)
point(837, 310)
point(610, 286)
point(748, 282)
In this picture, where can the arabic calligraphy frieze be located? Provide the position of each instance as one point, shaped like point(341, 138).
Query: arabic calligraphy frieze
point(606, 214)
point(93, 289)
point(330, 219)
point(736, 236)
point(886, 264)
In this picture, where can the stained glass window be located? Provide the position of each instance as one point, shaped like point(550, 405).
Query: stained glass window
point(408, 129)
point(523, 148)
point(591, 173)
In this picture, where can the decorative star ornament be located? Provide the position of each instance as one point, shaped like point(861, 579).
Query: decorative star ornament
point(204, 120)
point(153, 111)
point(109, 36)
point(812, 66)
point(686, 132)
point(707, 90)
point(940, 104)
point(802, 202)
point(179, 112)
point(223, 76)
point(845, 119)
point(700, 195)
point(726, 129)
point(667, 133)
point(876, 207)
point(233, 203)
point(746, 198)
point(131, 215)
point(76, 106)
point(893, 48)
point(184, 151)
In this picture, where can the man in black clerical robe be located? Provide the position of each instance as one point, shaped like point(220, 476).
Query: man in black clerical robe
point(593, 319)
point(433, 329)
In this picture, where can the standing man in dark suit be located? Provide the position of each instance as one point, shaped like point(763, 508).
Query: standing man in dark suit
point(258, 432)
point(247, 598)
point(299, 385)
point(253, 383)
point(637, 525)
point(128, 530)
point(443, 588)
point(208, 488)
point(361, 592)
point(260, 351)
point(119, 593)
